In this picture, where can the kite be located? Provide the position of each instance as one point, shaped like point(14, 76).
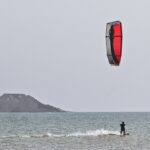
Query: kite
point(114, 42)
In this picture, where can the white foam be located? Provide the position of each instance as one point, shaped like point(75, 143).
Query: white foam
point(97, 132)
point(25, 136)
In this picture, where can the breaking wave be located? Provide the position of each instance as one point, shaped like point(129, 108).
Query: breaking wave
point(74, 134)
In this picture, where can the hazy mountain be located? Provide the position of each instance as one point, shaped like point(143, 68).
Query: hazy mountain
point(23, 103)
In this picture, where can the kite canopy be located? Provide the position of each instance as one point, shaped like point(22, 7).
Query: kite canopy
point(114, 42)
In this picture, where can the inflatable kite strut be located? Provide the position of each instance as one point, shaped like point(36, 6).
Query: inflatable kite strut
point(114, 42)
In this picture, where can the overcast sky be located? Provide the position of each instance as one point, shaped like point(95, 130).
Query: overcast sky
point(55, 50)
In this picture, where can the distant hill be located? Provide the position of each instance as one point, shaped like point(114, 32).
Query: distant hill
point(23, 103)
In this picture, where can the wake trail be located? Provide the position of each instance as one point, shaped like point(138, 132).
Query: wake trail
point(94, 133)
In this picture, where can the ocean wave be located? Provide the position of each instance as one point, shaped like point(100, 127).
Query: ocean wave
point(95, 133)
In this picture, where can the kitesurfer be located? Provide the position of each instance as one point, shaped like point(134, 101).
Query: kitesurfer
point(122, 126)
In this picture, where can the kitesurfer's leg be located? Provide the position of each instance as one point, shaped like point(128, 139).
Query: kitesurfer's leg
point(124, 133)
point(121, 132)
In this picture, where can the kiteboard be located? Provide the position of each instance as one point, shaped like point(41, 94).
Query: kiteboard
point(124, 134)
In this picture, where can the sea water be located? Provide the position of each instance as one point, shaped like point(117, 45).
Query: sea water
point(74, 131)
